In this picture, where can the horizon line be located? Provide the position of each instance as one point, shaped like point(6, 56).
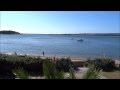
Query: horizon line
point(68, 33)
point(72, 33)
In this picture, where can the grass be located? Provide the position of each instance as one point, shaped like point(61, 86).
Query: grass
point(92, 73)
point(21, 73)
point(50, 71)
point(72, 74)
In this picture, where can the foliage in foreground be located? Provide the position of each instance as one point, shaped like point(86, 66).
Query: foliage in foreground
point(21, 73)
point(33, 65)
point(72, 74)
point(105, 64)
point(11, 62)
point(92, 73)
point(63, 64)
point(50, 71)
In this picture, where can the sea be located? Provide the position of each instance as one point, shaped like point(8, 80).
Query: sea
point(76, 45)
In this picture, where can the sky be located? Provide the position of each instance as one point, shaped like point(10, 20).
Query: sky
point(60, 22)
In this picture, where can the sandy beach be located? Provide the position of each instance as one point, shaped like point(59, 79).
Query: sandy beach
point(76, 60)
point(73, 58)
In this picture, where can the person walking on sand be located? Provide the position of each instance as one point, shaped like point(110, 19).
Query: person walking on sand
point(43, 53)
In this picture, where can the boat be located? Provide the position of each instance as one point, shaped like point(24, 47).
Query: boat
point(80, 40)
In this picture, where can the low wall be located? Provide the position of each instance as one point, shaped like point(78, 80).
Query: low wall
point(79, 63)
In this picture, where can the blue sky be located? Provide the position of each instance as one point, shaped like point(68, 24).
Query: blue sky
point(59, 22)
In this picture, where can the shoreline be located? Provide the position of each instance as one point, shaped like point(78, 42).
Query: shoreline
point(73, 58)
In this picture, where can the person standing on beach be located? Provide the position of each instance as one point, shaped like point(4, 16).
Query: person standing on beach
point(54, 58)
point(43, 53)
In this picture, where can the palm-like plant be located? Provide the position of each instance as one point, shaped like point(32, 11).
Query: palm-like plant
point(92, 73)
point(21, 73)
point(72, 74)
point(50, 71)
point(59, 75)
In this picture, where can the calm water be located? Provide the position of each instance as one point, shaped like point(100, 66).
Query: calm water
point(65, 45)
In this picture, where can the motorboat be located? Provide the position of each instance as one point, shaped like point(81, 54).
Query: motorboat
point(80, 40)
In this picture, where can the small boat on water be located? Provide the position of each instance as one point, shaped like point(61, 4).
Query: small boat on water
point(80, 40)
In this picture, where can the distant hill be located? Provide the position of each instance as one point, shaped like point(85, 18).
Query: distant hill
point(8, 32)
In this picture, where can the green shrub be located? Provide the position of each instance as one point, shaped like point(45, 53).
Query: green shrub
point(11, 62)
point(92, 73)
point(21, 73)
point(50, 71)
point(72, 74)
point(105, 64)
point(64, 64)
point(59, 74)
